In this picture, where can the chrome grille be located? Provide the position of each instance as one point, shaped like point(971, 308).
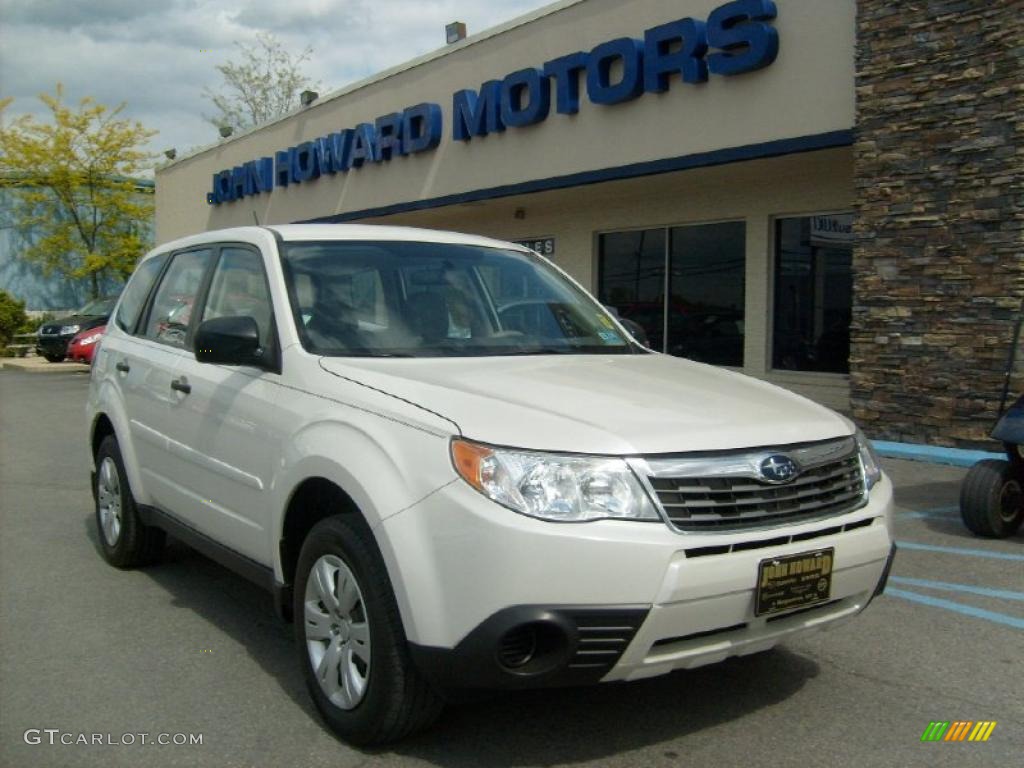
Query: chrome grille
point(728, 493)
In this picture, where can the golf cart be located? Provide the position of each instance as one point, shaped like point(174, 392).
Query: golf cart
point(991, 499)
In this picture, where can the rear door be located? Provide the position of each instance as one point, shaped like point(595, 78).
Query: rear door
point(226, 434)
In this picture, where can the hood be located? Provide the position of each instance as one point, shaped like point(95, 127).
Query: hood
point(85, 321)
point(606, 404)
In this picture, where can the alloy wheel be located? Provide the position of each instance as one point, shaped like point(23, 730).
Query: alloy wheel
point(108, 499)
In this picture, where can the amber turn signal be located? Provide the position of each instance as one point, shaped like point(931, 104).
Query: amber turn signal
point(466, 457)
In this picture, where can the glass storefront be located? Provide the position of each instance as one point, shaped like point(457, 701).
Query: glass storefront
point(684, 285)
point(813, 293)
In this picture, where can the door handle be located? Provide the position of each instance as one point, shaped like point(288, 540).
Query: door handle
point(181, 385)
point(123, 367)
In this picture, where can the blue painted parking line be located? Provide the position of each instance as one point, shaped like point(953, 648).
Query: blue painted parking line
point(935, 454)
point(917, 514)
point(991, 554)
point(949, 605)
point(970, 589)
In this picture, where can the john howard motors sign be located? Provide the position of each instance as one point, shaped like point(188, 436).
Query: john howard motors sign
point(736, 38)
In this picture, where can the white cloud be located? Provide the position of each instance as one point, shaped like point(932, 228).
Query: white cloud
point(158, 55)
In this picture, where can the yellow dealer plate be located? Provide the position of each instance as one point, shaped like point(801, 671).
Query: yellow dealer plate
point(794, 581)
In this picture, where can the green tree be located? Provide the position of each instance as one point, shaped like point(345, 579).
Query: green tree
point(12, 317)
point(77, 192)
point(265, 84)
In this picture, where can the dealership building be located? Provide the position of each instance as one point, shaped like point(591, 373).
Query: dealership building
point(825, 194)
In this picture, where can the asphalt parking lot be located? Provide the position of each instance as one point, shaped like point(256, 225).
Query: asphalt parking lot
point(189, 648)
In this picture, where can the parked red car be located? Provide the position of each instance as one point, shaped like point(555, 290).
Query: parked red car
point(83, 346)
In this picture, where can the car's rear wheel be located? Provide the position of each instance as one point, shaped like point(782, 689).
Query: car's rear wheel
point(991, 499)
point(124, 540)
point(350, 639)
point(55, 358)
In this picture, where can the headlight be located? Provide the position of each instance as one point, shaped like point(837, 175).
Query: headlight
point(67, 329)
point(553, 487)
point(90, 339)
point(868, 457)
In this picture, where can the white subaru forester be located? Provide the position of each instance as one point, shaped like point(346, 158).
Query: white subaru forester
point(456, 470)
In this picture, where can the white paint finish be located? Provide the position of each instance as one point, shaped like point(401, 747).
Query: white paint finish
point(456, 531)
point(614, 404)
point(380, 430)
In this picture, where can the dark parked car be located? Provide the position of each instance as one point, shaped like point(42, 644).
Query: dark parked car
point(991, 500)
point(54, 337)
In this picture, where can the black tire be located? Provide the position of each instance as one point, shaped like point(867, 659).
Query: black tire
point(397, 701)
point(55, 358)
point(991, 502)
point(134, 544)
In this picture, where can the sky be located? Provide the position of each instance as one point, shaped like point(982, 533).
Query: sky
point(158, 55)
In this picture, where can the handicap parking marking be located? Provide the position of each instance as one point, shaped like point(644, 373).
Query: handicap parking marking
point(949, 605)
point(969, 589)
point(987, 553)
point(937, 512)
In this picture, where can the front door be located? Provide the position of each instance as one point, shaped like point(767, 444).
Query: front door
point(226, 432)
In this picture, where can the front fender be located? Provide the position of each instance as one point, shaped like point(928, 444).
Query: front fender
point(383, 470)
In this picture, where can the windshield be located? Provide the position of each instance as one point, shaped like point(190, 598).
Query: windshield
point(99, 307)
point(401, 299)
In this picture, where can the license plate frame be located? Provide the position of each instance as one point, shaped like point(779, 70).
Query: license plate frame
point(792, 582)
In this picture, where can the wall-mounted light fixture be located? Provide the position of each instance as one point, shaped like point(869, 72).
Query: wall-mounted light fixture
point(454, 32)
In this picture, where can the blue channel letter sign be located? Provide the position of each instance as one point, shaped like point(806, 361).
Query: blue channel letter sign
point(736, 38)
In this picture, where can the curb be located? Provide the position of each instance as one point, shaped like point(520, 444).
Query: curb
point(933, 454)
point(23, 364)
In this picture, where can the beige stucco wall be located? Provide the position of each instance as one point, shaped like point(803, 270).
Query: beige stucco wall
point(808, 90)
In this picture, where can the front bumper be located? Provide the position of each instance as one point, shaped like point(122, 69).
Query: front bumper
point(81, 352)
point(53, 345)
point(470, 574)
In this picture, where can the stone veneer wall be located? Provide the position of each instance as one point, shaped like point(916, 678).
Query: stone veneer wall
point(938, 263)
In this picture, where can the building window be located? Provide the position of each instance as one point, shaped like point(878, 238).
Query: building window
point(706, 292)
point(684, 285)
point(813, 293)
point(632, 279)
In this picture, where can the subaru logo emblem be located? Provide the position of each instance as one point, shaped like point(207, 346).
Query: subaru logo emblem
point(778, 469)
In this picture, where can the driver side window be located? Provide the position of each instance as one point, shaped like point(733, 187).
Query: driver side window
point(239, 289)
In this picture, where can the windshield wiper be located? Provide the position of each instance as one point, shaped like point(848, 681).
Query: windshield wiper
point(539, 351)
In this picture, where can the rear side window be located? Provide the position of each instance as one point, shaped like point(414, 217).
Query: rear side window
point(134, 298)
point(172, 307)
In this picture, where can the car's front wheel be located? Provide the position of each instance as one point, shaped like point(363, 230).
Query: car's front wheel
point(350, 639)
point(124, 540)
point(991, 499)
point(54, 358)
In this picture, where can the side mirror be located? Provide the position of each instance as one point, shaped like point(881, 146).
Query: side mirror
point(228, 340)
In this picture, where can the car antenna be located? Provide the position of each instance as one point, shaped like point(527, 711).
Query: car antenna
point(255, 217)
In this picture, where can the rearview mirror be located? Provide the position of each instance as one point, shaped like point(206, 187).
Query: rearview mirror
point(229, 341)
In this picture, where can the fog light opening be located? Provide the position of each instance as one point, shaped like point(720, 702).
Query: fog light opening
point(518, 647)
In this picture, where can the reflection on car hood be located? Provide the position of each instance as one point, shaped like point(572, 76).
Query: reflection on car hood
point(609, 404)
